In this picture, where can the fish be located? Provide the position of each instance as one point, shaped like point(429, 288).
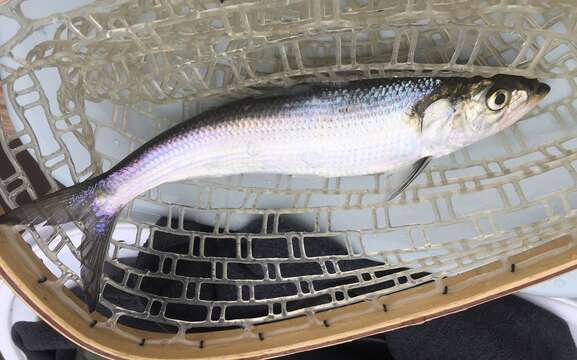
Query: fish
point(321, 129)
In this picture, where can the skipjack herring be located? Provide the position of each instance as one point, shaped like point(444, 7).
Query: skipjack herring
point(353, 128)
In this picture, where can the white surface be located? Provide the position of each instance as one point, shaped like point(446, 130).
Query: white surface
point(12, 310)
point(560, 286)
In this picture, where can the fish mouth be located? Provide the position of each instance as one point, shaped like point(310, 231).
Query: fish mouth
point(535, 93)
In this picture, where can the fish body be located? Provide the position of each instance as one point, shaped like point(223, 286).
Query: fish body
point(328, 130)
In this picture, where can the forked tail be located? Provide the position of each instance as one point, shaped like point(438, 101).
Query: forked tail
point(76, 203)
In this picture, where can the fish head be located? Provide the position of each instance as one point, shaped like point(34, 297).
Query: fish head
point(486, 106)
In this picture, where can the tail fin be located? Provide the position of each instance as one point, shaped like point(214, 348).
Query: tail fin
point(76, 203)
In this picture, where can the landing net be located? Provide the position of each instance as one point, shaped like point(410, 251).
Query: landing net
point(85, 85)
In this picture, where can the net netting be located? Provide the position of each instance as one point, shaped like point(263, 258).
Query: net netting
point(86, 84)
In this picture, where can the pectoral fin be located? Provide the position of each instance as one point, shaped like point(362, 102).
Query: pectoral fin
point(398, 182)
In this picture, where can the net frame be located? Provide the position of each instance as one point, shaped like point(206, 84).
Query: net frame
point(126, 55)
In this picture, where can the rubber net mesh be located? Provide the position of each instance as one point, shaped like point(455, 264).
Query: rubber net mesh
point(87, 84)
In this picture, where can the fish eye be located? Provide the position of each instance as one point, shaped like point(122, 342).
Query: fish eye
point(498, 99)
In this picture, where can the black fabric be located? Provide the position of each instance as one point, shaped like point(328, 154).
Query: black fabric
point(508, 329)
point(370, 348)
point(40, 342)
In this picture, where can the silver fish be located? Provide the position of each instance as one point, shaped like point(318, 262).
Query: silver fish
point(361, 127)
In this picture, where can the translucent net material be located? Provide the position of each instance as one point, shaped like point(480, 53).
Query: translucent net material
point(86, 85)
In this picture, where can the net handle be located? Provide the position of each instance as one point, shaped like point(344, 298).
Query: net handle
point(56, 305)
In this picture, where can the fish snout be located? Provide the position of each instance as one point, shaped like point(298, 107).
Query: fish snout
point(542, 90)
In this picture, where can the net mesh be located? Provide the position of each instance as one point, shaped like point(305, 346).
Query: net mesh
point(85, 85)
